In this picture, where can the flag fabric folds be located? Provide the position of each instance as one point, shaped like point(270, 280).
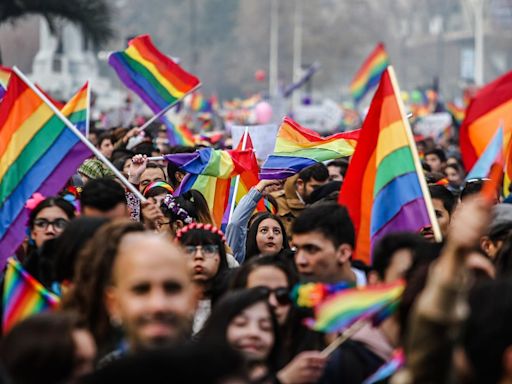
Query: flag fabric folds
point(38, 153)
point(492, 154)
point(157, 79)
point(384, 189)
point(210, 172)
point(23, 295)
point(489, 109)
point(297, 148)
point(369, 74)
point(342, 309)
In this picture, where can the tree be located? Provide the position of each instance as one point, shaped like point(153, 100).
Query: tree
point(94, 16)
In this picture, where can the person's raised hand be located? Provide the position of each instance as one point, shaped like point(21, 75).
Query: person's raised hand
point(137, 167)
point(267, 186)
point(307, 367)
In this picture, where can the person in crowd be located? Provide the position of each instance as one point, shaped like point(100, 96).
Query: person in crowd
point(104, 197)
point(299, 344)
point(93, 274)
point(266, 236)
point(106, 144)
point(142, 172)
point(47, 348)
point(444, 203)
point(156, 191)
point(149, 293)
point(238, 226)
point(473, 187)
point(245, 321)
point(205, 251)
point(337, 169)
point(436, 159)
point(47, 219)
point(291, 200)
point(455, 177)
point(323, 236)
point(498, 231)
point(326, 192)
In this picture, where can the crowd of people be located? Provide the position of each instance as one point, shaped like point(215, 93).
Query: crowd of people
point(153, 291)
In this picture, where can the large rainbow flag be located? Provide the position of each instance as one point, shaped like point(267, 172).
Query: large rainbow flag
point(38, 153)
point(297, 147)
point(210, 172)
point(492, 154)
point(384, 188)
point(23, 296)
point(489, 109)
point(157, 79)
point(342, 309)
point(369, 74)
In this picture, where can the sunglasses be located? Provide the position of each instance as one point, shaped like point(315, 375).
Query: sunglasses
point(281, 294)
point(58, 224)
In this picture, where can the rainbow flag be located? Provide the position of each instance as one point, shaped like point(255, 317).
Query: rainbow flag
point(5, 74)
point(310, 295)
point(157, 79)
point(210, 172)
point(38, 153)
point(389, 368)
point(369, 74)
point(297, 148)
point(384, 185)
point(458, 113)
point(23, 295)
point(342, 309)
point(492, 154)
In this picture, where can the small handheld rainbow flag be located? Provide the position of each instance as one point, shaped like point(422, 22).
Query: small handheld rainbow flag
point(310, 295)
point(157, 79)
point(369, 74)
point(342, 309)
point(23, 295)
point(297, 147)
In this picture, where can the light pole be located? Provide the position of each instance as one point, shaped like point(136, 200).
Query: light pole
point(297, 50)
point(477, 6)
point(274, 48)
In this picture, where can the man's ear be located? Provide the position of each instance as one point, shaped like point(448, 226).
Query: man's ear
point(299, 185)
point(344, 253)
point(111, 303)
point(486, 244)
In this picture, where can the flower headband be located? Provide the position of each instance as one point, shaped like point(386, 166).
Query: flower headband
point(205, 227)
point(156, 184)
point(34, 201)
point(171, 203)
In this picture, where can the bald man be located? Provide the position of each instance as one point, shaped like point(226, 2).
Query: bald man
point(151, 293)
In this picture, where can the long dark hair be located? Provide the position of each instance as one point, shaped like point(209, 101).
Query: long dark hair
point(218, 284)
point(251, 245)
point(59, 202)
point(230, 306)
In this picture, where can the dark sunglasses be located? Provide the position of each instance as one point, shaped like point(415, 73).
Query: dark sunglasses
point(281, 294)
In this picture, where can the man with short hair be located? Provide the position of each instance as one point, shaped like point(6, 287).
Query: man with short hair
point(499, 229)
point(103, 197)
point(151, 293)
point(292, 199)
point(436, 159)
point(142, 172)
point(444, 203)
point(323, 236)
point(337, 169)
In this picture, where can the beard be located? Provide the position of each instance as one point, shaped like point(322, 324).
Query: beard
point(181, 326)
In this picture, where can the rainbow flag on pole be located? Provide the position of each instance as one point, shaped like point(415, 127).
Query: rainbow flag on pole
point(210, 172)
point(23, 296)
point(157, 79)
point(38, 153)
point(369, 74)
point(492, 154)
point(297, 147)
point(384, 189)
point(342, 309)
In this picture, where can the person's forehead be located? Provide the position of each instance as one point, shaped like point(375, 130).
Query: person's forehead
point(152, 172)
point(314, 237)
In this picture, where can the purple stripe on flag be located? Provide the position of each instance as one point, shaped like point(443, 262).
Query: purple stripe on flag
point(180, 159)
point(410, 218)
point(281, 167)
point(15, 234)
point(2, 91)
